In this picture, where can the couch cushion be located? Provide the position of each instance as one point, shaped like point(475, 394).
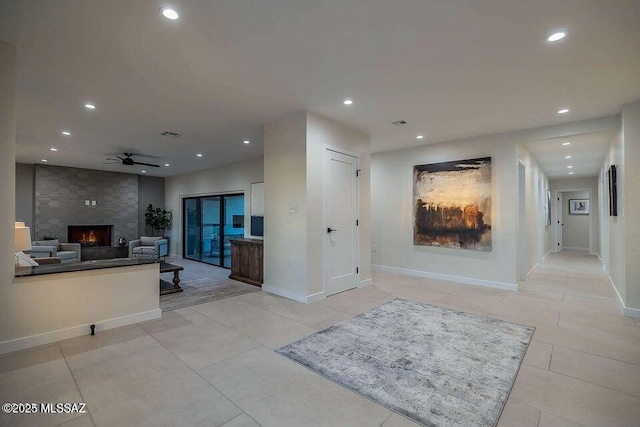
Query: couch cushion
point(54, 242)
point(66, 255)
point(149, 241)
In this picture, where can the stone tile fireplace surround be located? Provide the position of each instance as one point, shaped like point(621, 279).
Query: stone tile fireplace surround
point(60, 201)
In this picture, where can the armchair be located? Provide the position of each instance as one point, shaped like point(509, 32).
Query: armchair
point(67, 252)
point(153, 247)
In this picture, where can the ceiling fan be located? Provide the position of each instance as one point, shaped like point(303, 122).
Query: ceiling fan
point(128, 161)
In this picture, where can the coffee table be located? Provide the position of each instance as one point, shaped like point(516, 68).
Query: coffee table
point(167, 287)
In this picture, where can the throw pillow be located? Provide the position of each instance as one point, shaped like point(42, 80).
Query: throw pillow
point(25, 260)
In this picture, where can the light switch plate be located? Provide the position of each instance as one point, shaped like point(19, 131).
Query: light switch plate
point(86, 202)
point(93, 203)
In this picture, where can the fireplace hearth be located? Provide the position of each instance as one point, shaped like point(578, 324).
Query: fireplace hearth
point(91, 235)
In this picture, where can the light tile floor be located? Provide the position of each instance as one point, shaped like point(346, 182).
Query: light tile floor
point(213, 364)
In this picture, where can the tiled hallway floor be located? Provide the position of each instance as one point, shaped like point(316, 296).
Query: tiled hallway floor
point(214, 364)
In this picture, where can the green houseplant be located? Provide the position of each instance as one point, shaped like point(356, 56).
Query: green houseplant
point(158, 219)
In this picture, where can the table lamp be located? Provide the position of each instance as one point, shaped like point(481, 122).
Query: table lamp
point(22, 240)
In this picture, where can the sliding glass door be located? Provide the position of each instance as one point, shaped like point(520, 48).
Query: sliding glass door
point(209, 224)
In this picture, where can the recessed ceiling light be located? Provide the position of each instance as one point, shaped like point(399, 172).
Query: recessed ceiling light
point(568, 157)
point(66, 133)
point(44, 160)
point(419, 136)
point(347, 101)
point(563, 111)
point(199, 155)
point(143, 171)
point(170, 13)
point(557, 36)
point(570, 173)
point(90, 106)
point(569, 167)
point(246, 141)
point(566, 143)
point(53, 149)
point(167, 164)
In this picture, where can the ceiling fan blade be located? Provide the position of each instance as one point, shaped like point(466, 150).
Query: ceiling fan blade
point(114, 159)
point(147, 164)
point(112, 163)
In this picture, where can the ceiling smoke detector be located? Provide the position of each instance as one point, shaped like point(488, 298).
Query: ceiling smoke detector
point(171, 134)
point(399, 123)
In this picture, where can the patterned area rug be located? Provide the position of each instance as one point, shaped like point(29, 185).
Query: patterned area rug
point(438, 367)
point(198, 290)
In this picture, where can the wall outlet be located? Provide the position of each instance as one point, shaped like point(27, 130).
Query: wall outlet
point(294, 208)
point(375, 248)
point(93, 203)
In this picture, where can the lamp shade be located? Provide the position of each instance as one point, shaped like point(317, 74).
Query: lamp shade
point(23, 239)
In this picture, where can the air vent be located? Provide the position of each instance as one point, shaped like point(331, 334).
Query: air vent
point(170, 134)
point(399, 123)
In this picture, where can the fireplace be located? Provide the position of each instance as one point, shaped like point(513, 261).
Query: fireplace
point(91, 235)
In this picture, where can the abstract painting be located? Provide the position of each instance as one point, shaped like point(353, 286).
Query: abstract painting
point(452, 204)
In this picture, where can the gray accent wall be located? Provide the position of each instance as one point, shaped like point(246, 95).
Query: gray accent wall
point(61, 194)
point(25, 187)
point(150, 191)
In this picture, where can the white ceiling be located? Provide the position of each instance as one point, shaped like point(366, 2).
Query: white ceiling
point(452, 69)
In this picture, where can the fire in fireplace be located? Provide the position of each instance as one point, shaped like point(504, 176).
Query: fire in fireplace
point(91, 235)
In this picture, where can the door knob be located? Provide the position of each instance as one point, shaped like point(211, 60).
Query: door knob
point(329, 229)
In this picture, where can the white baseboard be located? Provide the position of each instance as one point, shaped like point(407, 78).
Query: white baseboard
point(439, 276)
point(315, 297)
point(292, 295)
point(631, 312)
point(365, 282)
point(76, 331)
point(538, 263)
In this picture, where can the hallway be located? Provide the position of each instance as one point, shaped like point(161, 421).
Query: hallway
point(586, 367)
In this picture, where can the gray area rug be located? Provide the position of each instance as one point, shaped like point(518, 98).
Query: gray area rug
point(438, 367)
point(198, 290)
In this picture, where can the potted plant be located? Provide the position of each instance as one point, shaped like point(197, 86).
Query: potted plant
point(158, 219)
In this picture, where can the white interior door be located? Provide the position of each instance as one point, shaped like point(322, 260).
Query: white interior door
point(560, 222)
point(340, 206)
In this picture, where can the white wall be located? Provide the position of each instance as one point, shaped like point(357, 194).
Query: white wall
point(392, 214)
point(285, 187)
point(576, 230)
point(538, 234)
point(631, 210)
point(53, 307)
point(233, 178)
point(621, 234)
point(9, 317)
point(567, 186)
point(613, 228)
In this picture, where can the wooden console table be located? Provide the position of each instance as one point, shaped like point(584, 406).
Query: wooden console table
point(246, 261)
point(166, 287)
